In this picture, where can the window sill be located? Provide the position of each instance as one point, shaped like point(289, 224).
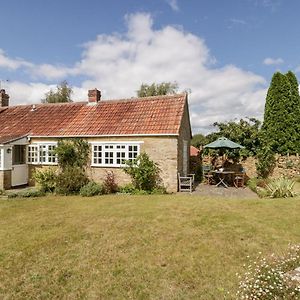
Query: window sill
point(107, 166)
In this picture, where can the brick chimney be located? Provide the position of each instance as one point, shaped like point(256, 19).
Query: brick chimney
point(94, 96)
point(4, 98)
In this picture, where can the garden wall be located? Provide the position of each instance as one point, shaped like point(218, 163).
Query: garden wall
point(285, 166)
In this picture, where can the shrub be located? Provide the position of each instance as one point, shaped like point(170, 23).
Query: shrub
point(258, 185)
point(2, 192)
point(199, 173)
point(268, 279)
point(91, 189)
point(31, 194)
point(70, 181)
point(26, 194)
point(109, 184)
point(127, 189)
point(144, 172)
point(266, 161)
point(281, 188)
point(159, 191)
point(72, 153)
point(46, 179)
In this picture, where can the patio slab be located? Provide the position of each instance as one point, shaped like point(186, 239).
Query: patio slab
point(219, 191)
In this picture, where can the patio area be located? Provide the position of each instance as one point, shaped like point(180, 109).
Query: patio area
point(204, 189)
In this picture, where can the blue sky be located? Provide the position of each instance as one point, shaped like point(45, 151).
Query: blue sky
point(224, 52)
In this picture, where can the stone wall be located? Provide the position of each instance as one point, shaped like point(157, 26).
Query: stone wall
point(285, 166)
point(184, 140)
point(162, 150)
point(5, 180)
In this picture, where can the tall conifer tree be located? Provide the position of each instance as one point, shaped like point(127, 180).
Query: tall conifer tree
point(293, 121)
point(280, 128)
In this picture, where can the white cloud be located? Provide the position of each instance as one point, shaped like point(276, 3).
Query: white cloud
point(118, 64)
point(173, 4)
point(273, 61)
point(12, 63)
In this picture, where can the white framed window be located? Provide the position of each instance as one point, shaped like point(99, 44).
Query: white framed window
point(1, 158)
point(114, 154)
point(42, 153)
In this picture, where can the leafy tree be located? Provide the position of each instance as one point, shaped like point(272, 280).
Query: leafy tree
point(244, 132)
point(63, 94)
point(164, 88)
point(280, 128)
point(199, 140)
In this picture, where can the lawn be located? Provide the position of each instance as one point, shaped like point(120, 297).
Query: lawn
point(137, 247)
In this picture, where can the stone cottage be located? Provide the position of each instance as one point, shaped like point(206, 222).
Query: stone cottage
point(116, 130)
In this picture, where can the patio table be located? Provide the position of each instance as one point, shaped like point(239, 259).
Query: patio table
point(222, 176)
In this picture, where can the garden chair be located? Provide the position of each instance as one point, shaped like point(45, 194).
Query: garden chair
point(207, 174)
point(185, 183)
point(239, 179)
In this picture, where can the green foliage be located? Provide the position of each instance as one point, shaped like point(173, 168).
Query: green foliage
point(258, 185)
point(91, 189)
point(268, 279)
point(244, 132)
point(199, 140)
point(164, 88)
point(2, 192)
point(198, 173)
point(62, 94)
point(46, 179)
point(109, 184)
point(127, 189)
point(72, 153)
point(130, 189)
point(70, 181)
point(265, 161)
point(281, 126)
point(144, 172)
point(281, 188)
point(32, 193)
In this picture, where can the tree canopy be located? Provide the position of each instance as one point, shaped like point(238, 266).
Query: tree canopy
point(164, 88)
point(62, 94)
point(281, 129)
point(244, 132)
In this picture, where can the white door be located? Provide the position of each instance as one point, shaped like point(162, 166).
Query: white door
point(19, 173)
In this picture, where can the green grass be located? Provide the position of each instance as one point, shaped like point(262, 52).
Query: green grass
point(137, 247)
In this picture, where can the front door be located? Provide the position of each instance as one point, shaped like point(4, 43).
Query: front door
point(19, 173)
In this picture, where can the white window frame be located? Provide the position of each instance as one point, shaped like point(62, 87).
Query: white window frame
point(36, 158)
point(1, 158)
point(114, 149)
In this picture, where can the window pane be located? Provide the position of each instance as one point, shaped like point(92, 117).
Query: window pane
point(18, 155)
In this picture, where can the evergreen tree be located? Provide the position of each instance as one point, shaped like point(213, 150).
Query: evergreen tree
point(280, 127)
point(294, 114)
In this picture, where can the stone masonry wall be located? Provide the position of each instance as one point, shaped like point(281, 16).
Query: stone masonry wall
point(285, 166)
point(184, 135)
point(162, 150)
point(5, 180)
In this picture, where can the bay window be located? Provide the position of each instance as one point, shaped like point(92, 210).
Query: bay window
point(112, 154)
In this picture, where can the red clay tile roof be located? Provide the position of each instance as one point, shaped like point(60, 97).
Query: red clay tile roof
point(194, 151)
point(139, 116)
